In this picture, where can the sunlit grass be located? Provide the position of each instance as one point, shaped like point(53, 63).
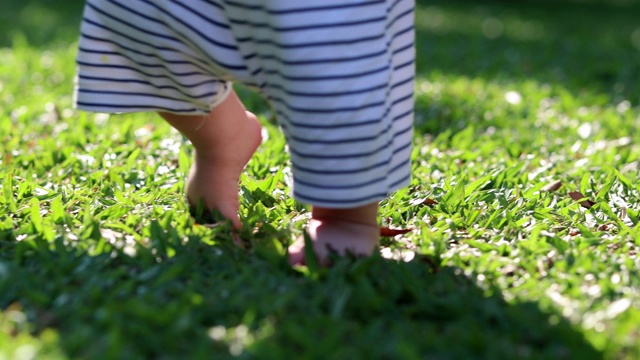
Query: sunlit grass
point(100, 259)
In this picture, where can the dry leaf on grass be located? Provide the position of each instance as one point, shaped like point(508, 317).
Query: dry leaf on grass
point(577, 196)
point(429, 201)
point(386, 231)
point(425, 201)
point(552, 186)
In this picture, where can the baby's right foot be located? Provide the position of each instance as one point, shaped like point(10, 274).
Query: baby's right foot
point(343, 232)
point(335, 237)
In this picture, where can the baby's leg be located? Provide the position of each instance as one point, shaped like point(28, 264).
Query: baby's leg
point(224, 142)
point(352, 231)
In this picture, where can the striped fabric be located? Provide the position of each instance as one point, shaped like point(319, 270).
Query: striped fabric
point(339, 74)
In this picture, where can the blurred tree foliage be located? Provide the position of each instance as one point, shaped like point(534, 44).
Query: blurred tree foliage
point(43, 22)
point(39, 22)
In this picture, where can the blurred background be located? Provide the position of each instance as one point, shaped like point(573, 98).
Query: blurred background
point(44, 22)
point(589, 47)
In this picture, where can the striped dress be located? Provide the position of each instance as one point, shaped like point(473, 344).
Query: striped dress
point(339, 74)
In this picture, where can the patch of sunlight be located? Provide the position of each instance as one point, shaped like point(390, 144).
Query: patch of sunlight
point(513, 97)
point(17, 342)
point(239, 339)
point(236, 338)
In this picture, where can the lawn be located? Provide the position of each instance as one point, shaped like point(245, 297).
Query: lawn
point(518, 237)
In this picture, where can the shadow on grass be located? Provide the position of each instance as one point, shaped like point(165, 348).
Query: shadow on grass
point(377, 308)
point(218, 301)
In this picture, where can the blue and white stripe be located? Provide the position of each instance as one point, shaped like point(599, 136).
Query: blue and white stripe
point(339, 74)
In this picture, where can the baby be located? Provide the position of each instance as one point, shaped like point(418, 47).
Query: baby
point(338, 73)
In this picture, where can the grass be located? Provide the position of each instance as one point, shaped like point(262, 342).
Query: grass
point(100, 259)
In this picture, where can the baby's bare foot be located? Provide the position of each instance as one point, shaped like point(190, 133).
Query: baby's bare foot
point(224, 141)
point(339, 237)
point(215, 173)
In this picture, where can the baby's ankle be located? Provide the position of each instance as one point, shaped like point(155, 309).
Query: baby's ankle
point(363, 215)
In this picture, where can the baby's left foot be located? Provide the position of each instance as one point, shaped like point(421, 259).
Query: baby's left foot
point(215, 173)
point(224, 142)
